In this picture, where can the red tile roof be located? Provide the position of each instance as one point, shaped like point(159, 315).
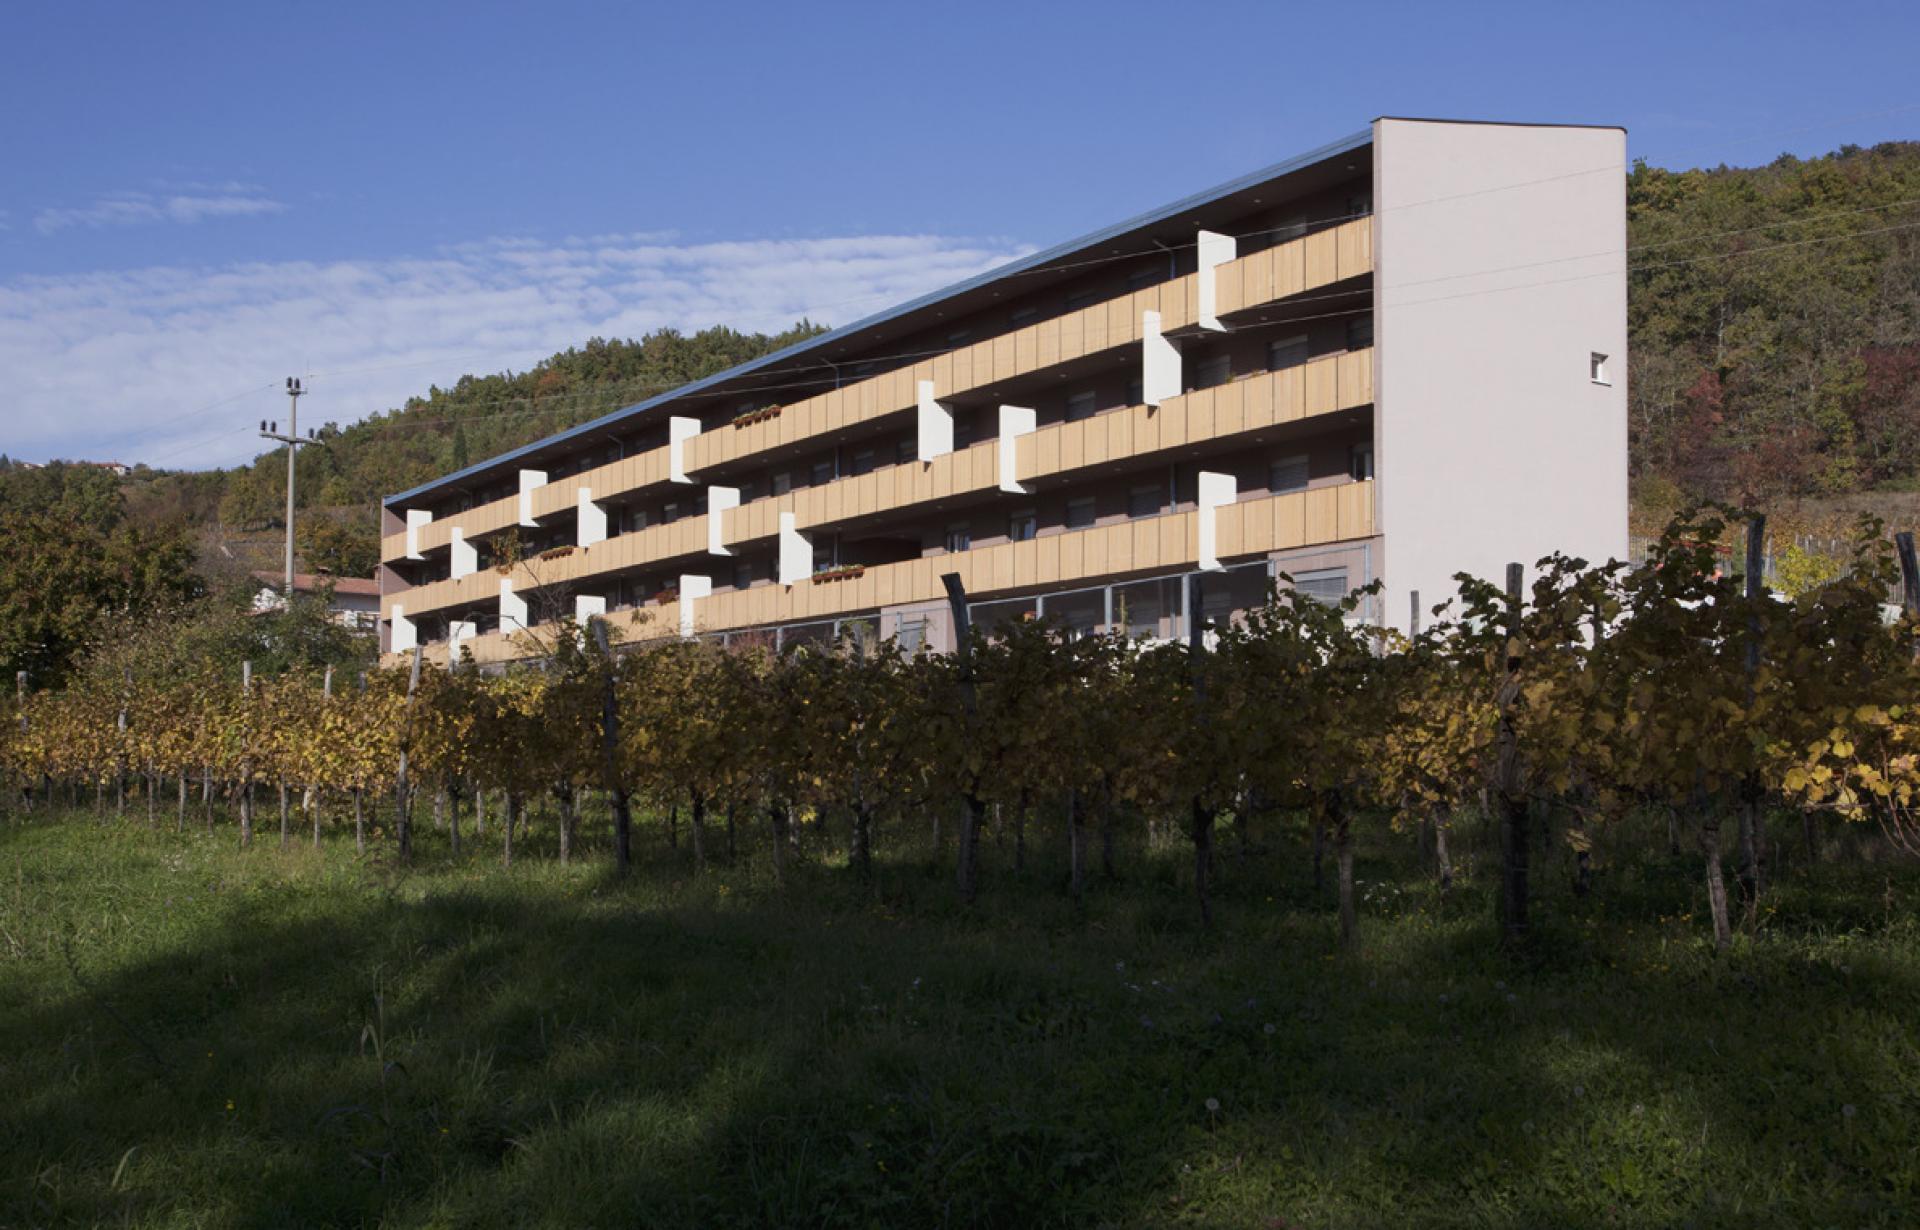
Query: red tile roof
point(307, 582)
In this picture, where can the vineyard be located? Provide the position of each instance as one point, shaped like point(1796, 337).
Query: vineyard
point(1588, 904)
point(1747, 722)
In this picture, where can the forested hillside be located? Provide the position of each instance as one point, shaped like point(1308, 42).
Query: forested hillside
point(443, 430)
point(1774, 316)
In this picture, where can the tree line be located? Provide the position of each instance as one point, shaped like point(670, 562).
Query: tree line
point(1558, 703)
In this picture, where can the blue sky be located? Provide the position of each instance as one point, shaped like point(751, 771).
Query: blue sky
point(201, 199)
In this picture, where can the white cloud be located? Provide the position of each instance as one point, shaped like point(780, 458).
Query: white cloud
point(188, 205)
point(128, 365)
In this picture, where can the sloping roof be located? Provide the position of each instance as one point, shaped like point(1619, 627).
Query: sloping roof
point(1037, 260)
point(308, 582)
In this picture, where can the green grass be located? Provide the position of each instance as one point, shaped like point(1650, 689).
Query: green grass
point(194, 1036)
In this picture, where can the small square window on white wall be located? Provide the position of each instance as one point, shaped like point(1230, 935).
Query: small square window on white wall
point(1597, 368)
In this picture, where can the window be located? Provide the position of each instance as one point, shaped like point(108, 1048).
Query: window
point(912, 635)
point(742, 575)
point(1287, 474)
point(863, 461)
point(1287, 352)
point(1081, 406)
point(1360, 461)
point(1023, 316)
point(636, 519)
point(962, 430)
point(782, 483)
point(749, 491)
point(670, 513)
point(1080, 513)
point(1086, 298)
point(958, 336)
point(1022, 525)
point(1144, 501)
point(1359, 204)
point(823, 556)
point(1359, 332)
point(822, 472)
point(1290, 231)
point(1597, 369)
point(1140, 279)
point(1329, 585)
point(959, 538)
point(1218, 369)
point(1136, 391)
point(907, 450)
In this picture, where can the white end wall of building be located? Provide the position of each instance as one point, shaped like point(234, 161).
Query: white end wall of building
point(1500, 271)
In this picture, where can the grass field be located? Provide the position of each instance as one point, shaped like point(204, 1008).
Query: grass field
point(194, 1036)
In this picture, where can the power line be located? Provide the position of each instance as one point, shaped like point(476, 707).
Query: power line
point(1292, 301)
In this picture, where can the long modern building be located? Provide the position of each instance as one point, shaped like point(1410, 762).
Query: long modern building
point(1399, 356)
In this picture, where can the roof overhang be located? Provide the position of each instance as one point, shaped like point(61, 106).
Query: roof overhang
point(1177, 220)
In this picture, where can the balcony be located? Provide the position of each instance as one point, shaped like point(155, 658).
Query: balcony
point(1251, 527)
point(1309, 263)
point(1319, 387)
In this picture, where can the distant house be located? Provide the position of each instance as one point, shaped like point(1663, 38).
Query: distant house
point(355, 601)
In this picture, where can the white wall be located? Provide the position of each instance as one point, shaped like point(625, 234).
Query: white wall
point(1500, 258)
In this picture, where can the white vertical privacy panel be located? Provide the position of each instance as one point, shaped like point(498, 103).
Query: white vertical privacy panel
point(1015, 421)
point(530, 481)
point(466, 560)
point(1214, 249)
point(796, 552)
point(593, 520)
point(513, 609)
point(404, 636)
point(458, 634)
point(720, 501)
point(1215, 491)
point(1159, 362)
point(417, 519)
point(691, 589)
point(586, 606)
point(679, 431)
point(934, 425)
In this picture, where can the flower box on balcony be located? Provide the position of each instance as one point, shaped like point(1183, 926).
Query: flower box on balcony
point(666, 596)
point(846, 572)
point(757, 416)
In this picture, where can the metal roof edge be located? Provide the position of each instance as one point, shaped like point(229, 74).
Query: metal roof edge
point(1033, 260)
point(1441, 119)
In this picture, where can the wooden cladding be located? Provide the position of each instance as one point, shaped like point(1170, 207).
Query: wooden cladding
point(1292, 268)
point(1152, 544)
point(1289, 268)
point(1322, 386)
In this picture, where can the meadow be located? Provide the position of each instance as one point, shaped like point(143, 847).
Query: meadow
point(192, 1035)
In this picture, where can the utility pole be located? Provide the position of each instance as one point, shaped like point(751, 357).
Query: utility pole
point(293, 440)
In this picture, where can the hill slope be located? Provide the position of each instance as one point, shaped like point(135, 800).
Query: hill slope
point(443, 430)
point(1774, 317)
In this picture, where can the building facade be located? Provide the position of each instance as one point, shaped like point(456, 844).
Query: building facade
point(353, 602)
point(1397, 357)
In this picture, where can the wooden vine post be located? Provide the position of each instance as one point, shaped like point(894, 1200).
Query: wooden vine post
point(403, 801)
point(1509, 783)
point(246, 758)
point(967, 864)
point(614, 781)
point(1753, 834)
point(1203, 815)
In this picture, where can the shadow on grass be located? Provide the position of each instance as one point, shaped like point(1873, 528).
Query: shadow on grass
point(459, 1045)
